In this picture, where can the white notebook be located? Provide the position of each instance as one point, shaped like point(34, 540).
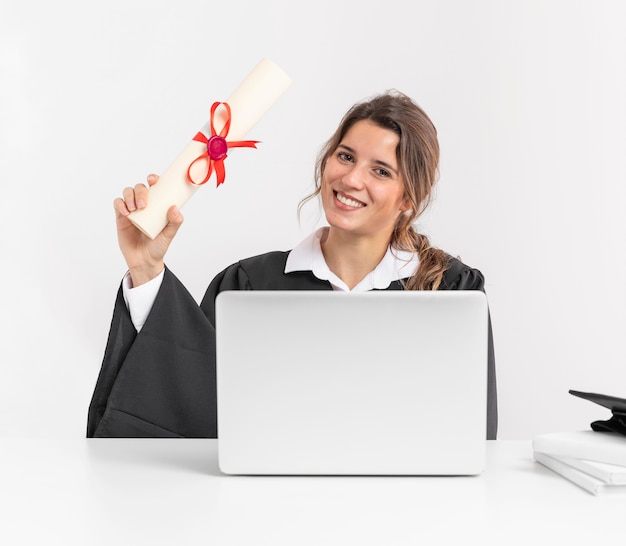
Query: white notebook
point(610, 474)
point(612, 480)
point(376, 383)
point(603, 447)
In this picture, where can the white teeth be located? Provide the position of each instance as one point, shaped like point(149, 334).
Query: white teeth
point(349, 202)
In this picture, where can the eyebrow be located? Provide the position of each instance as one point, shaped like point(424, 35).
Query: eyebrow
point(377, 161)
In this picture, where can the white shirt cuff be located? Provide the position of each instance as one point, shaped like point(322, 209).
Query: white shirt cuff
point(140, 300)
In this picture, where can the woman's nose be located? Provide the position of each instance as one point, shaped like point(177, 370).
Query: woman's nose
point(354, 177)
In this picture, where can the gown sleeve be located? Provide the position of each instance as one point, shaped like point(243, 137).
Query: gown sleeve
point(159, 382)
point(461, 277)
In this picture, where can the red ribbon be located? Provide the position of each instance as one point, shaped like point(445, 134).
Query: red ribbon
point(217, 146)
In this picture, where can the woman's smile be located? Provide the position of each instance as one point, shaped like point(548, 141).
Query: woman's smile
point(347, 201)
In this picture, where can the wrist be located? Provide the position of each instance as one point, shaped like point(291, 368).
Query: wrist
point(142, 274)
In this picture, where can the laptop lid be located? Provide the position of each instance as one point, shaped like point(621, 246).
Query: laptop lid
point(374, 383)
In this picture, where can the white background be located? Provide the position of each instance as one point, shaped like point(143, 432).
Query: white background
point(529, 100)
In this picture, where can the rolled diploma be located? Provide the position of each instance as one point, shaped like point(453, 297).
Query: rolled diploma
point(254, 96)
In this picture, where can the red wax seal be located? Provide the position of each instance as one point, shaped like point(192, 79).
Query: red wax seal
point(217, 147)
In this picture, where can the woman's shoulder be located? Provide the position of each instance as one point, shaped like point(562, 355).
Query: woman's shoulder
point(265, 272)
point(460, 276)
point(250, 272)
point(260, 272)
point(272, 261)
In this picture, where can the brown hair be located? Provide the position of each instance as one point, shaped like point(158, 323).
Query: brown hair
point(418, 158)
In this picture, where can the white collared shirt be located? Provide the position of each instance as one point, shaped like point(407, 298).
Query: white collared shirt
point(307, 256)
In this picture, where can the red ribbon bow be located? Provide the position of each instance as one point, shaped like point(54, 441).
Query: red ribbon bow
point(217, 146)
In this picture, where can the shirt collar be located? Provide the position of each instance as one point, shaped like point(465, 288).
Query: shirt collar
point(395, 265)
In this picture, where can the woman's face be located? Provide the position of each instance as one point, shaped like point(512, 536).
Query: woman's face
point(362, 189)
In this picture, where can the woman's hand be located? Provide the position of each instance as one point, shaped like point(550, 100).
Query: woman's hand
point(144, 256)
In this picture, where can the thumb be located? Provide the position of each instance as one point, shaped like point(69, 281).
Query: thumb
point(174, 221)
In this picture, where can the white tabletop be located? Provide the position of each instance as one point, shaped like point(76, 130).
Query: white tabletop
point(118, 492)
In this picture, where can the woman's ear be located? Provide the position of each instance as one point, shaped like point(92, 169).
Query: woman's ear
point(405, 205)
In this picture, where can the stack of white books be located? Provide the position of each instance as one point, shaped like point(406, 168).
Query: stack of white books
point(595, 461)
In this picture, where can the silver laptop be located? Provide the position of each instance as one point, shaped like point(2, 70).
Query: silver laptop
point(335, 383)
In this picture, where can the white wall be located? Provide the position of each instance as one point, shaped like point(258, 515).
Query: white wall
point(529, 100)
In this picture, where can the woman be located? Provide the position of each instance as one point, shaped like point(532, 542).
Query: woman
point(374, 176)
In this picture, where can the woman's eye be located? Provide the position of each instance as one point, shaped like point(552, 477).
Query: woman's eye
point(382, 172)
point(344, 156)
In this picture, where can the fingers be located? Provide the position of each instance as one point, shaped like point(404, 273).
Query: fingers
point(132, 199)
point(120, 207)
point(141, 196)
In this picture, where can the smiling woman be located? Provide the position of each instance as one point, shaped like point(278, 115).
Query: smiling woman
point(374, 176)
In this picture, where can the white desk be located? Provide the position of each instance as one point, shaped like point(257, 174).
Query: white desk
point(119, 492)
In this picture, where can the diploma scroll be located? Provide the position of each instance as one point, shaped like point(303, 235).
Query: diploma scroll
point(249, 102)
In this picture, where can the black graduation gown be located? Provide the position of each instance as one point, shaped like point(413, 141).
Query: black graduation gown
point(160, 382)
